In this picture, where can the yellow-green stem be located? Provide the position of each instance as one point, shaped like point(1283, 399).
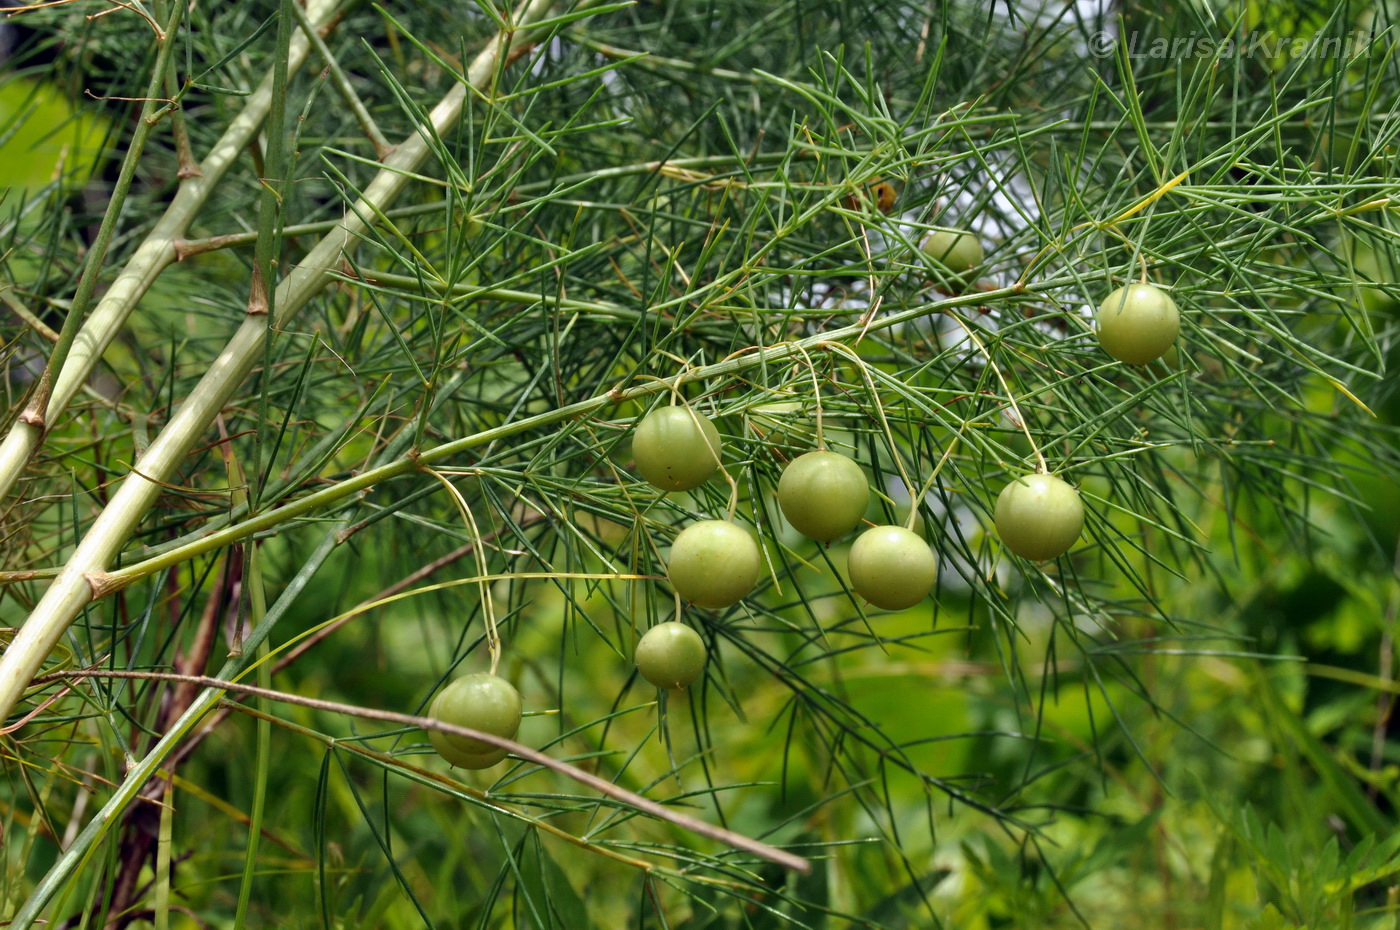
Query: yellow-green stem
point(105, 583)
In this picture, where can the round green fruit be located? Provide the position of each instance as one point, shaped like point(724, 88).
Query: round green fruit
point(823, 495)
point(713, 564)
point(957, 250)
point(676, 448)
point(482, 702)
point(670, 655)
point(466, 760)
point(1039, 517)
point(1138, 323)
point(891, 567)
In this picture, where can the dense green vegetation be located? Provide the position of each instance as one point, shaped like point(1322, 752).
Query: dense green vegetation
point(349, 341)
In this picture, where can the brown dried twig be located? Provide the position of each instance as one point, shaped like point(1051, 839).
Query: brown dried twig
point(602, 786)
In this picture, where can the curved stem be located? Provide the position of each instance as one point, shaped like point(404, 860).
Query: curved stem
point(817, 391)
point(914, 502)
point(488, 606)
point(879, 410)
point(608, 789)
point(1041, 467)
point(717, 453)
point(485, 799)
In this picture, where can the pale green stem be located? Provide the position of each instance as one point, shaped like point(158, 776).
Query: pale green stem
point(342, 85)
point(163, 848)
point(92, 264)
point(71, 590)
point(27, 315)
point(105, 583)
point(152, 257)
point(262, 763)
point(124, 795)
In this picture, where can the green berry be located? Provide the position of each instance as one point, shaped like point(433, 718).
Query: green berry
point(713, 564)
point(466, 760)
point(823, 495)
point(1138, 323)
point(1039, 517)
point(479, 701)
point(670, 655)
point(959, 251)
point(891, 567)
point(676, 448)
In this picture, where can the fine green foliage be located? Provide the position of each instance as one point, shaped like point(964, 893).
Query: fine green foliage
point(391, 346)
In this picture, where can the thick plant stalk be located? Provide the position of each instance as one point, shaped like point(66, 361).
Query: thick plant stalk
point(72, 590)
point(159, 77)
point(195, 710)
point(151, 258)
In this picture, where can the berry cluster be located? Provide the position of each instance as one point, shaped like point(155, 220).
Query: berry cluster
point(714, 564)
point(1039, 516)
point(1137, 323)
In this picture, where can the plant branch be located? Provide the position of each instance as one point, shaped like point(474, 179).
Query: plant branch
point(155, 253)
point(433, 779)
point(34, 412)
point(105, 583)
point(341, 81)
point(602, 786)
point(70, 591)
